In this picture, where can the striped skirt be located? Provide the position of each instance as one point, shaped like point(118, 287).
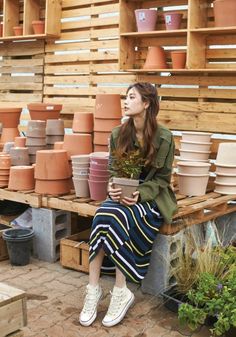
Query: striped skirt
point(126, 234)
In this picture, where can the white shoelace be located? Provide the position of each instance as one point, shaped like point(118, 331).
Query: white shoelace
point(116, 303)
point(90, 302)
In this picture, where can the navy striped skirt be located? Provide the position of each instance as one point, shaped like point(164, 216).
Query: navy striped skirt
point(126, 234)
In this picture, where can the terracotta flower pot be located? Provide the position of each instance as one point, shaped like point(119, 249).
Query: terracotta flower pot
point(193, 167)
point(128, 186)
point(38, 26)
point(196, 136)
point(101, 138)
point(33, 149)
point(52, 165)
point(146, 19)
point(100, 148)
point(196, 155)
point(19, 156)
point(30, 141)
point(51, 140)
point(173, 20)
point(44, 111)
point(58, 145)
point(156, 58)
point(81, 187)
point(108, 106)
point(192, 185)
point(226, 154)
point(195, 146)
point(20, 141)
point(224, 13)
point(80, 143)
point(105, 125)
point(55, 127)
point(36, 129)
point(98, 189)
point(18, 30)
point(178, 59)
point(21, 178)
point(9, 134)
point(83, 122)
point(52, 187)
point(5, 161)
point(10, 117)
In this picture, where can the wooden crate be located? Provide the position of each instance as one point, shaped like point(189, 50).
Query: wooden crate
point(74, 251)
point(3, 246)
point(13, 314)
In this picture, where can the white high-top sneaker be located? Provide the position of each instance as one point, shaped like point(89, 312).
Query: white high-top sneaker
point(89, 311)
point(121, 300)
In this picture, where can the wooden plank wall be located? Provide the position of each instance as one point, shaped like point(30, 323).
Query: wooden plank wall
point(84, 62)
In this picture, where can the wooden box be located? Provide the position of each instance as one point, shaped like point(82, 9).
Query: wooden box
point(74, 251)
point(13, 315)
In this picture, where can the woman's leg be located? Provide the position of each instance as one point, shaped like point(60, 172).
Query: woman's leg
point(95, 268)
point(120, 279)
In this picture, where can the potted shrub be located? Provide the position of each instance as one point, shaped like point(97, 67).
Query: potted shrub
point(126, 169)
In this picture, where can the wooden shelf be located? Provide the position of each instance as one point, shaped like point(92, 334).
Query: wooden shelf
point(208, 48)
point(29, 37)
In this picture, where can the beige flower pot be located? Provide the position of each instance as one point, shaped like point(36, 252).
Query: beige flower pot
point(128, 186)
point(226, 169)
point(83, 158)
point(226, 154)
point(194, 155)
point(33, 141)
point(192, 185)
point(55, 127)
point(52, 139)
point(195, 146)
point(19, 156)
point(36, 129)
point(202, 137)
point(193, 167)
point(225, 179)
point(81, 187)
point(225, 188)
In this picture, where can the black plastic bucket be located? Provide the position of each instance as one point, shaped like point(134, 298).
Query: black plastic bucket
point(19, 244)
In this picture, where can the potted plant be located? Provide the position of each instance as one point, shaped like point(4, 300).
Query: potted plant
point(126, 169)
point(205, 287)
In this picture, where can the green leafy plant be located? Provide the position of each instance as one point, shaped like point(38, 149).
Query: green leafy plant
point(211, 297)
point(127, 165)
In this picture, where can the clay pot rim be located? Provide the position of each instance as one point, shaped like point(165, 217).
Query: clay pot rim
point(193, 175)
point(145, 9)
point(193, 159)
point(43, 106)
point(52, 151)
point(18, 27)
point(196, 133)
point(194, 151)
point(193, 163)
point(225, 174)
point(66, 179)
point(2, 110)
point(224, 184)
point(224, 165)
point(197, 143)
point(178, 52)
point(22, 167)
point(38, 22)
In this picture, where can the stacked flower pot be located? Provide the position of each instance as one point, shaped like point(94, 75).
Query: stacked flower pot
point(54, 132)
point(21, 178)
point(225, 182)
point(193, 167)
point(44, 111)
point(98, 175)
point(80, 171)
point(107, 115)
point(52, 172)
point(36, 138)
point(10, 119)
point(5, 164)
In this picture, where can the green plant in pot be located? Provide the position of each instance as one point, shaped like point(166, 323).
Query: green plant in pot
point(126, 170)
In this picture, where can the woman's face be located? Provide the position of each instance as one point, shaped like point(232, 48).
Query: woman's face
point(134, 105)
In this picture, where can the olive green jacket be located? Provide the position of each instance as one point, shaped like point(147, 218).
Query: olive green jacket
point(156, 185)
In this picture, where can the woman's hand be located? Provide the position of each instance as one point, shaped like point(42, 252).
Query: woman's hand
point(114, 193)
point(131, 201)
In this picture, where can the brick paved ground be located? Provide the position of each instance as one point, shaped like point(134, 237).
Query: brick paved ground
point(55, 297)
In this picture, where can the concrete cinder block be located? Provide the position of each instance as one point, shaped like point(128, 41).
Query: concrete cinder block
point(50, 226)
point(164, 251)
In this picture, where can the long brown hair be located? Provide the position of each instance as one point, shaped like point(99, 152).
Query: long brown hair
point(125, 142)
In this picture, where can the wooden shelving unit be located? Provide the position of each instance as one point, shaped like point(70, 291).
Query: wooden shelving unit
point(23, 12)
point(209, 48)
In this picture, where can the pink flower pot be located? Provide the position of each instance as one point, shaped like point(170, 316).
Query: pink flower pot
point(98, 189)
point(173, 20)
point(146, 19)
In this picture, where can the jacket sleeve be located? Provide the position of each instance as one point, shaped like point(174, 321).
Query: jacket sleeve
point(159, 177)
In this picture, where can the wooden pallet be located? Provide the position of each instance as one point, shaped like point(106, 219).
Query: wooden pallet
point(30, 198)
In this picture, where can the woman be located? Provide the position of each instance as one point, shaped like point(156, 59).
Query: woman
point(124, 230)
